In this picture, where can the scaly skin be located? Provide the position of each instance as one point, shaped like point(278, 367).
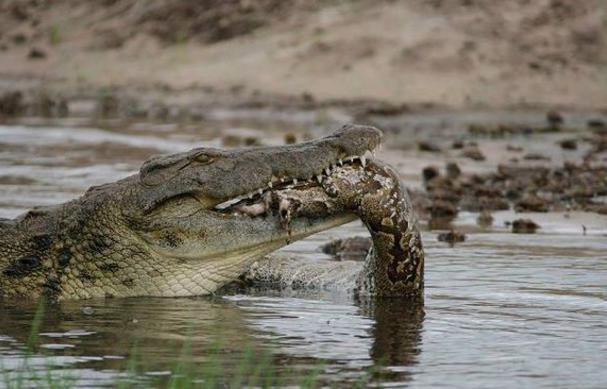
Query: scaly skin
point(171, 230)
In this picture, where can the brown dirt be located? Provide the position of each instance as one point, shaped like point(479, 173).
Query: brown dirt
point(461, 53)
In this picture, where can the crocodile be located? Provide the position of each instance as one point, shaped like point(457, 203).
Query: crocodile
point(187, 224)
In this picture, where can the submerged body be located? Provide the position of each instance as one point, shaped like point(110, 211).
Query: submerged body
point(190, 223)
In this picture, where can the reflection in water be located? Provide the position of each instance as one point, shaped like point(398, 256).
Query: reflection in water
point(397, 330)
point(102, 335)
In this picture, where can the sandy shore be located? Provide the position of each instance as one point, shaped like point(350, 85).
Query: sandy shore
point(462, 54)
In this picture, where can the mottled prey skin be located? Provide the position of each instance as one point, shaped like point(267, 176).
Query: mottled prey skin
point(395, 264)
point(181, 226)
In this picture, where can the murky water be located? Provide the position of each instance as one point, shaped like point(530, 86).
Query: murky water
point(501, 310)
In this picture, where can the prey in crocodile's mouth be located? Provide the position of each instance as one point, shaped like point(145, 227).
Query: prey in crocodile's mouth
point(272, 198)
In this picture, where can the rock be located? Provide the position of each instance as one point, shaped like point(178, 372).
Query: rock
point(443, 192)
point(308, 97)
point(531, 203)
point(597, 125)
point(428, 146)
point(442, 209)
point(473, 153)
point(536, 157)
point(485, 219)
point(47, 105)
point(477, 204)
point(429, 173)
point(290, 138)
point(36, 53)
point(451, 237)
point(554, 119)
point(457, 145)
point(108, 105)
point(516, 149)
point(453, 170)
point(252, 141)
point(11, 104)
point(353, 249)
point(568, 144)
point(524, 226)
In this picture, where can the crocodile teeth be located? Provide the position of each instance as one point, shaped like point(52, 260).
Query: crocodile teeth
point(260, 191)
point(327, 171)
point(295, 181)
point(340, 162)
point(363, 161)
point(319, 178)
point(270, 184)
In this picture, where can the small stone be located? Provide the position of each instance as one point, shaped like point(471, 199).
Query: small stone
point(252, 141)
point(290, 138)
point(568, 144)
point(597, 125)
point(441, 209)
point(428, 146)
point(516, 149)
point(452, 237)
point(485, 219)
point(536, 157)
point(453, 170)
point(531, 203)
point(473, 153)
point(353, 249)
point(554, 119)
point(36, 53)
point(457, 145)
point(430, 172)
point(524, 226)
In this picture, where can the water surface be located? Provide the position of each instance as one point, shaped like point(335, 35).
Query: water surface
point(500, 310)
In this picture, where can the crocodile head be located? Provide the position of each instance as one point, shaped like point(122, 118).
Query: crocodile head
point(190, 222)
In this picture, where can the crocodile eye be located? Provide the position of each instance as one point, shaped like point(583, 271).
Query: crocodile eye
point(203, 158)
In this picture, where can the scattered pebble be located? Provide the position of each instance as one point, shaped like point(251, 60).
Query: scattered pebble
point(485, 219)
point(517, 149)
point(554, 119)
point(429, 173)
point(428, 146)
point(473, 153)
point(453, 170)
point(353, 249)
point(524, 226)
point(442, 209)
point(457, 145)
point(531, 203)
point(290, 138)
point(36, 53)
point(451, 237)
point(536, 157)
point(568, 144)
